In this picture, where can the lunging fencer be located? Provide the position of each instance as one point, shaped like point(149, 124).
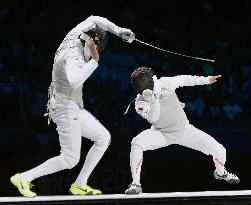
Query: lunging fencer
point(75, 60)
point(157, 102)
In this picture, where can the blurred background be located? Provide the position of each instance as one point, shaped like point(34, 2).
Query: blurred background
point(30, 33)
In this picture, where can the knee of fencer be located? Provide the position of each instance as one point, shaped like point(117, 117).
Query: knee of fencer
point(103, 141)
point(69, 160)
point(137, 143)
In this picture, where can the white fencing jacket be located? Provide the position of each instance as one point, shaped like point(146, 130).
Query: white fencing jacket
point(165, 112)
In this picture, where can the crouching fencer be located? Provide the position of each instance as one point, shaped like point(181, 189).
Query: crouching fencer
point(158, 103)
point(75, 60)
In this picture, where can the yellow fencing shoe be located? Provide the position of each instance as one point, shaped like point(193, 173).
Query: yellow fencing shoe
point(23, 186)
point(83, 190)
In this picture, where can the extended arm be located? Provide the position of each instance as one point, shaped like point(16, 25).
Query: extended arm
point(188, 80)
point(103, 23)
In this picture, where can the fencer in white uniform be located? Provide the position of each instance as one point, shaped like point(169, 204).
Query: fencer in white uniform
point(75, 60)
point(158, 103)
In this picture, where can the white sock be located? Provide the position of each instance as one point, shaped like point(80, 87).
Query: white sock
point(219, 166)
point(136, 159)
point(50, 166)
point(93, 157)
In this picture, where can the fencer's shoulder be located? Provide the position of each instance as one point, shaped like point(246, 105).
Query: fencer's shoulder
point(165, 80)
point(167, 83)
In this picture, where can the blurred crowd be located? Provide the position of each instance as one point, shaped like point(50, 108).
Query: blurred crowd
point(26, 62)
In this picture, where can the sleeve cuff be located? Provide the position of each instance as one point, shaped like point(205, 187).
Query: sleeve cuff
point(94, 63)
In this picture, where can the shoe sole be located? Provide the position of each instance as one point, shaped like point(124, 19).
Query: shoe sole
point(231, 181)
point(234, 181)
point(88, 194)
point(133, 193)
point(128, 193)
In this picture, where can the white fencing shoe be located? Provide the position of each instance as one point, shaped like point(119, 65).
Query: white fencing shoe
point(228, 177)
point(133, 189)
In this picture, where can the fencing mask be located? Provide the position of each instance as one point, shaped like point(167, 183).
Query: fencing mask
point(99, 37)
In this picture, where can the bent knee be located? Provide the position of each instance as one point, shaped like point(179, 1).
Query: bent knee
point(69, 161)
point(104, 139)
point(138, 142)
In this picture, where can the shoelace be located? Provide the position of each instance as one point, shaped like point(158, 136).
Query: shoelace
point(24, 184)
point(31, 185)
